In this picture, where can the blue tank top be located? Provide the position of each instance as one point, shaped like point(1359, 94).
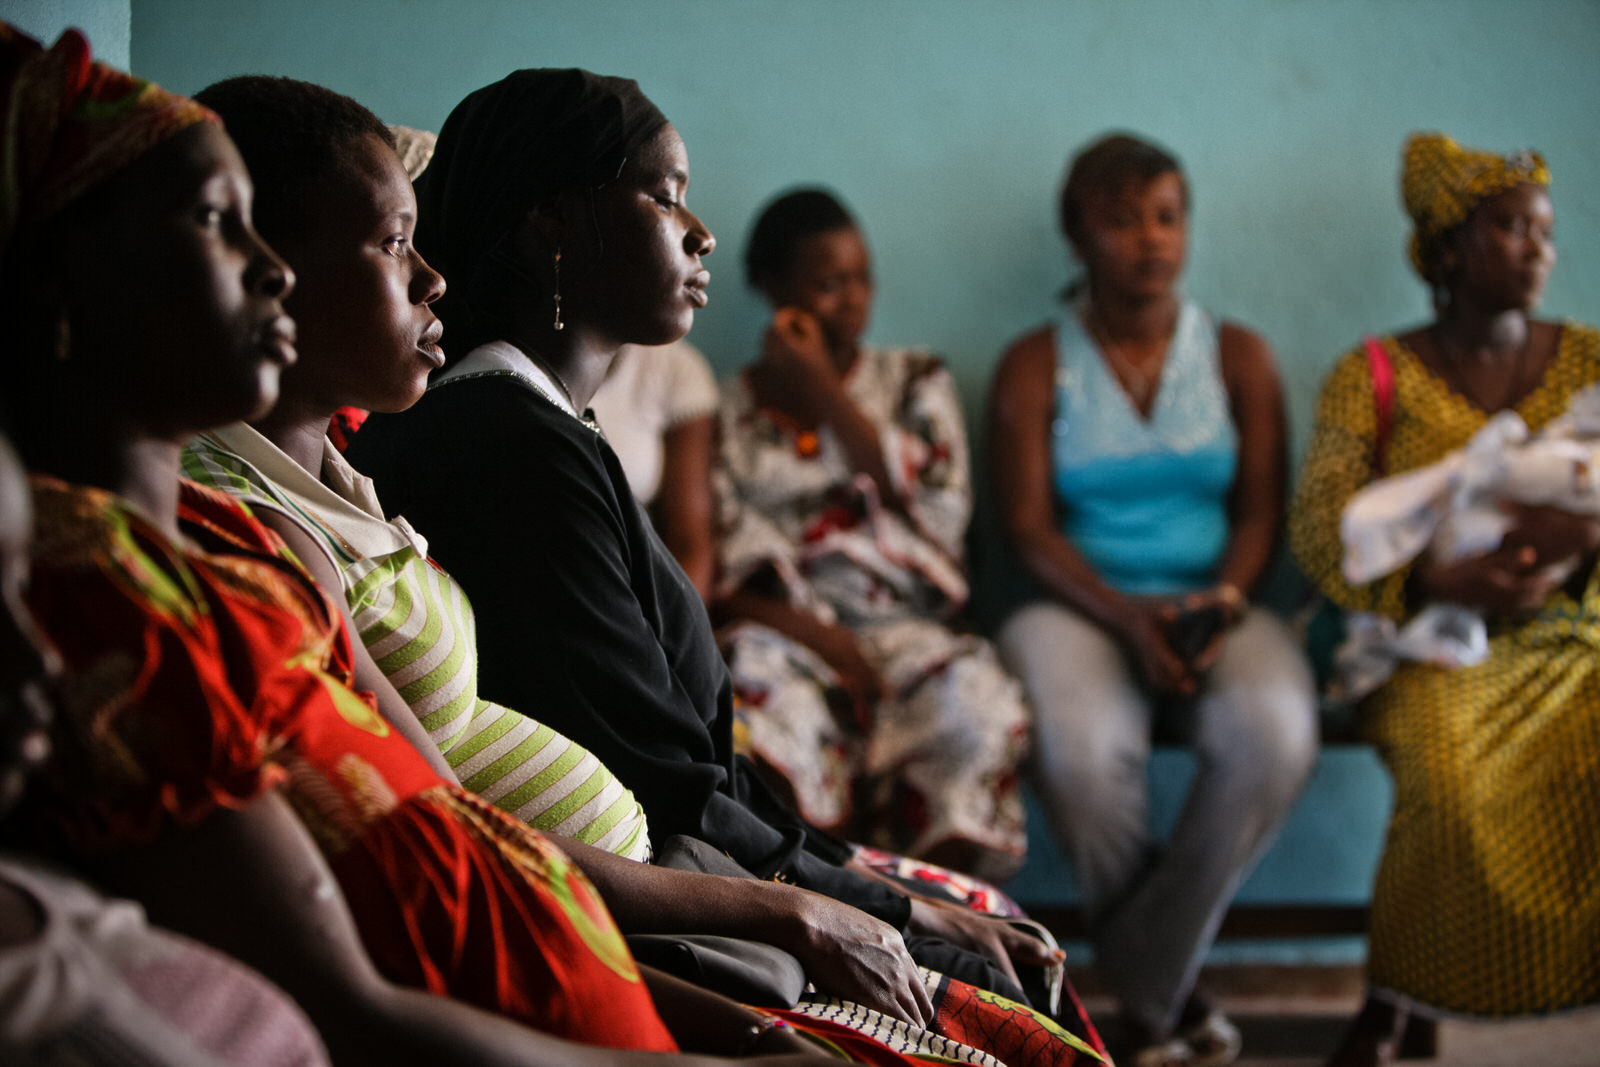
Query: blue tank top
point(1145, 500)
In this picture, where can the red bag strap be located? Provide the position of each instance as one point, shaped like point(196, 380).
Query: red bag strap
point(1382, 369)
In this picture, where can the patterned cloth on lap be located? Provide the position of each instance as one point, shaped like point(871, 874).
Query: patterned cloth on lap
point(970, 1026)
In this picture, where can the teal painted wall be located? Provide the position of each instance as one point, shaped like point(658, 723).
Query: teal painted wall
point(105, 22)
point(946, 124)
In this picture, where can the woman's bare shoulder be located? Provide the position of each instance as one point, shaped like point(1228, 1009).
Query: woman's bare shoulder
point(1030, 354)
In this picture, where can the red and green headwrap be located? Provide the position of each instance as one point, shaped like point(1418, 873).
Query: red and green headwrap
point(70, 124)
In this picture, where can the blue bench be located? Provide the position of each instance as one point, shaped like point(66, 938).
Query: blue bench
point(1305, 902)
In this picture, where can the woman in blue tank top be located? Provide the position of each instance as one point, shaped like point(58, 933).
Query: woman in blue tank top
point(1138, 456)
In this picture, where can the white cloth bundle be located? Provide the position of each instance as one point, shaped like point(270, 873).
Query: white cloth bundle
point(1454, 509)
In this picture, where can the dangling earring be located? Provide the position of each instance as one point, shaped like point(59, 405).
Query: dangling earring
point(559, 325)
point(63, 351)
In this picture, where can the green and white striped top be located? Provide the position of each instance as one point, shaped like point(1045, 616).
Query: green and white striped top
point(418, 626)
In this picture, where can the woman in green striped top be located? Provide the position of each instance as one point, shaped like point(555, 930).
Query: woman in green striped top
point(369, 338)
point(417, 626)
point(332, 192)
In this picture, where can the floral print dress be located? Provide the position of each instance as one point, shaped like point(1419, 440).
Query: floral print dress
point(936, 762)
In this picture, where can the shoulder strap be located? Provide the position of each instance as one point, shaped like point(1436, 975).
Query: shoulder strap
point(1382, 369)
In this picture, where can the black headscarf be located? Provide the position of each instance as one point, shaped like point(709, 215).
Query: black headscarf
point(503, 148)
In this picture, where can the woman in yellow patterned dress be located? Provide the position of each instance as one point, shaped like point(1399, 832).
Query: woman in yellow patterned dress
point(1487, 900)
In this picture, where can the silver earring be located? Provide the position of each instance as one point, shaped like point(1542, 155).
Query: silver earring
point(63, 351)
point(559, 325)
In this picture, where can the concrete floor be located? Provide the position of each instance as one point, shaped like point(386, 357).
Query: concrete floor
point(1295, 1016)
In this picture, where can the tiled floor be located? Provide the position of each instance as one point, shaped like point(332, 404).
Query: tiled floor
point(1294, 1017)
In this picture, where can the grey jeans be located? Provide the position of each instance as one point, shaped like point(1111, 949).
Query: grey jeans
point(1154, 911)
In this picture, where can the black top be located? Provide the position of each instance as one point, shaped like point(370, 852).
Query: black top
point(586, 622)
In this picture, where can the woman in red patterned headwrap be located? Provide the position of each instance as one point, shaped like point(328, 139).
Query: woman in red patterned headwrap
point(207, 733)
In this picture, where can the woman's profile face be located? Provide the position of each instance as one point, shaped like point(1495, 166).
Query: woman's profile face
point(174, 301)
point(1133, 238)
point(830, 277)
point(368, 336)
point(1505, 250)
point(644, 280)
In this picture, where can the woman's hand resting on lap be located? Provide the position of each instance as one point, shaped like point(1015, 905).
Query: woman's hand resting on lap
point(848, 953)
point(1145, 635)
point(993, 938)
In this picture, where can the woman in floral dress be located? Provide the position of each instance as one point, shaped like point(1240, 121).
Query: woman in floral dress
point(843, 498)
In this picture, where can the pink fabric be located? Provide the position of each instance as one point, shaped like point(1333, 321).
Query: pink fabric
point(1382, 401)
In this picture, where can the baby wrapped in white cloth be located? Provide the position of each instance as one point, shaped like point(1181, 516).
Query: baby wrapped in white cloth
point(1454, 509)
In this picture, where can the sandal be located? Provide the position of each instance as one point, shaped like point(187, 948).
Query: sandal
point(1213, 1041)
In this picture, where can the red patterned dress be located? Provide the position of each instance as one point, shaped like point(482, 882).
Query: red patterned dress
point(205, 674)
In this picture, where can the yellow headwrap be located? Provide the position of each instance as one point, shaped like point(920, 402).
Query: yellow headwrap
point(1441, 182)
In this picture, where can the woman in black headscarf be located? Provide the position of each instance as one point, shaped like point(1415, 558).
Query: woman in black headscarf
point(512, 203)
point(206, 756)
point(554, 204)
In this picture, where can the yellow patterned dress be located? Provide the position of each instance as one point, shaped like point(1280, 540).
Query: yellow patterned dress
point(1488, 896)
